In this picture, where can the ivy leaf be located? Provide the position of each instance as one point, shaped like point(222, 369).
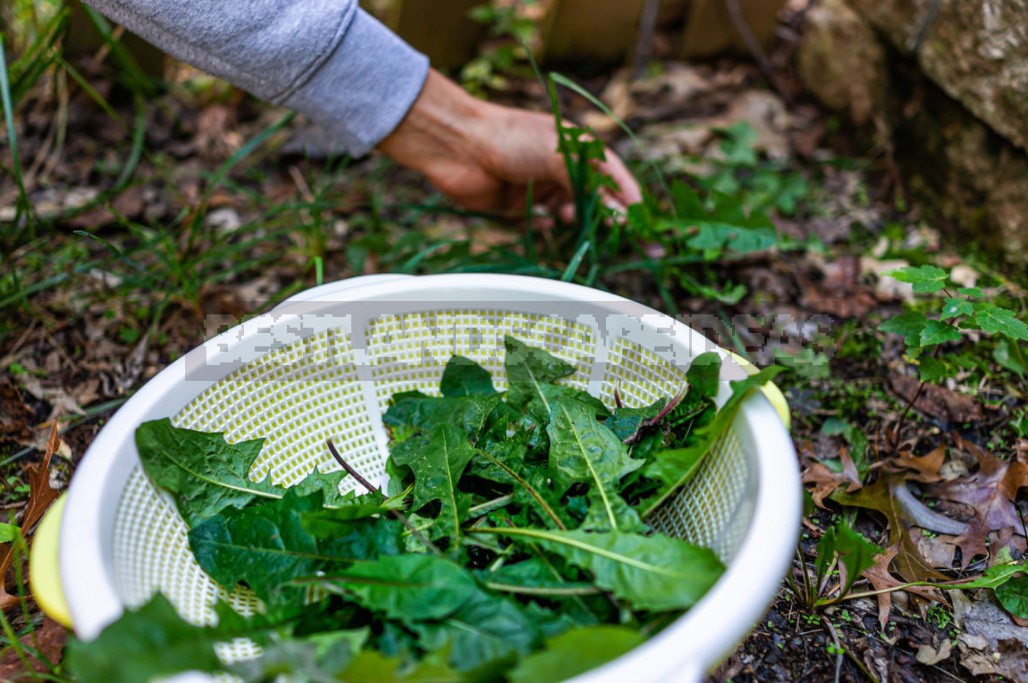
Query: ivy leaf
point(205, 475)
point(436, 473)
point(155, 642)
point(936, 332)
point(528, 370)
point(954, 308)
point(909, 325)
point(926, 279)
point(582, 449)
point(855, 553)
point(464, 377)
point(486, 628)
point(996, 320)
point(265, 545)
point(650, 572)
point(575, 652)
point(407, 587)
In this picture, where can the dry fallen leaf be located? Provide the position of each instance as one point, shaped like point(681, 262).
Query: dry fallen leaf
point(825, 481)
point(926, 654)
point(41, 497)
point(936, 401)
point(48, 640)
point(922, 468)
point(881, 579)
point(881, 497)
point(15, 416)
point(991, 494)
point(840, 292)
point(991, 643)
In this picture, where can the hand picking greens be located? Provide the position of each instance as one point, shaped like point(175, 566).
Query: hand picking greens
point(513, 542)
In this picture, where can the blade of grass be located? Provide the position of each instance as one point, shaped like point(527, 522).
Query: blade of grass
point(118, 253)
point(319, 271)
point(33, 63)
point(596, 102)
point(576, 260)
point(138, 140)
point(22, 206)
point(90, 91)
point(133, 75)
point(244, 151)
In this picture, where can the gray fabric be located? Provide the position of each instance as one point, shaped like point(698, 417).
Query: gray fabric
point(327, 59)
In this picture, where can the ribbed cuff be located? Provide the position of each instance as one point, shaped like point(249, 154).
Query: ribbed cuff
point(363, 90)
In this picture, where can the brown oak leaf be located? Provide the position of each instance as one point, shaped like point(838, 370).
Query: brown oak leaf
point(991, 495)
point(937, 401)
point(885, 497)
point(41, 496)
point(882, 579)
point(922, 468)
point(825, 480)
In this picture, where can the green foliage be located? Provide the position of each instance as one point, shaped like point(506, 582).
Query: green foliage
point(512, 27)
point(265, 546)
point(854, 552)
point(518, 537)
point(1013, 595)
point(8, 532)
point(758, 185)
point(962, 309)
point(575, 652)
point(856, 439)
point(926, 279)
point(205, 474)
point(464, 377)
point(649, 572)
point(154, 642)
point(437, 468)
point(404, 587)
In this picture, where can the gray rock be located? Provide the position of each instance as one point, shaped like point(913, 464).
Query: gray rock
point(852, 80)
point(978, 53)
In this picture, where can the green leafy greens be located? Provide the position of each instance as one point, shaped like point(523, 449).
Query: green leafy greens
point(515, 545)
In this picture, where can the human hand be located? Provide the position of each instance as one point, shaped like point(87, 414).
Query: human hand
point(483, 156)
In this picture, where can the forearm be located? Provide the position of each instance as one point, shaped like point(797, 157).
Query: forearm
point(325, 58)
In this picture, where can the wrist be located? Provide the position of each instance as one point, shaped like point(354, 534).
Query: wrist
point(442, 127)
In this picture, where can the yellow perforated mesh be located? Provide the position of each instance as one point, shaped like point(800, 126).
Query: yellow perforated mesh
point(298, 396)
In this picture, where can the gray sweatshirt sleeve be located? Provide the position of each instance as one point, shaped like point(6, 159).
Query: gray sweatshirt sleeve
point(327, 59)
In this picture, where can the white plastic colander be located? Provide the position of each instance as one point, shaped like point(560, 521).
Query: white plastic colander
point(324, 365)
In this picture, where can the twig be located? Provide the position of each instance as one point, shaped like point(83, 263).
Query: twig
point(840, 650)
point(644, 45)
point(395, 513)
point(349, 470)
point(906, 411)
point(753, 45)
